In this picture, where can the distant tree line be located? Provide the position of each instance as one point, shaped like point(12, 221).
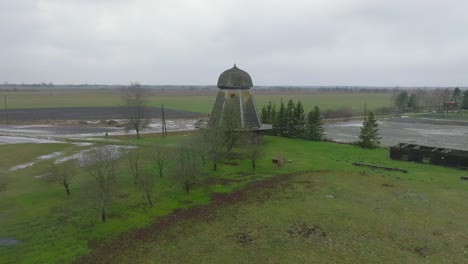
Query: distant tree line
point(439, 100)
point(291, 121)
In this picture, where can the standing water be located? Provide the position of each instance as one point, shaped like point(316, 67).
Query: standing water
point(446, 136)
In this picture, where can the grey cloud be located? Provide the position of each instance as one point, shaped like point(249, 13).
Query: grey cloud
point(342, 42)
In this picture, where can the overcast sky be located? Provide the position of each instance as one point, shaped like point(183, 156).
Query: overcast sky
point(287, 42)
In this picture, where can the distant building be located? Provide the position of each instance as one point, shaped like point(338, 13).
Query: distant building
point(451, 105)
point(235, 105)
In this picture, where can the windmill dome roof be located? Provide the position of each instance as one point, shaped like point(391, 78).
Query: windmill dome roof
point(235, 78)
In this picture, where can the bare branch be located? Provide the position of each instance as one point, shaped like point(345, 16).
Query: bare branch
point(63, 173)
point(135, 101)
point(159, 160)
point(100, 164)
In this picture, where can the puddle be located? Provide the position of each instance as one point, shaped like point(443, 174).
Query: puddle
point(42, 176)
point(31, 132)
point(83, 144)
point(80, 155)
point(21, 166)
point(414, 197)
point(19, 140)
point(446, 136)
point(9, 241)
point(438, 132)
point(50, 156)
point(348, 125)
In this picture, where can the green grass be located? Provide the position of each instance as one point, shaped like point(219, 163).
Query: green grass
point(195, 103)
point(364, 221)
point(16, 154)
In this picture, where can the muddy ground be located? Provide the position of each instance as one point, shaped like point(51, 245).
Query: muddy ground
point(11, 134)
point(87, 113)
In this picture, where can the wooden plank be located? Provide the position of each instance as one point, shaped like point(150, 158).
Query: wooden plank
point(404, 146)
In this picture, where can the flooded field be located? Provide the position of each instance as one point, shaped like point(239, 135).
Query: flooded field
point(12, 134)
point(448, 136)
point(438, 135)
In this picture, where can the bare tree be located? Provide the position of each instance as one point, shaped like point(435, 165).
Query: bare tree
point(3, 185)
point(253, 152)
point(159, 160)
point(141, 178)
point(98, 163)
point(213, 143)
point(134, 165)
point(63, 173)
point(135, 101)
point(186, 166)
point(146, 183)
point(201, 145)
point(230, 129)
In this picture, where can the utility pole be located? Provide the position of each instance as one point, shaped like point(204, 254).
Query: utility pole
point(6, 108)
point(443, 107)
point(365, 110)
point(163, 123)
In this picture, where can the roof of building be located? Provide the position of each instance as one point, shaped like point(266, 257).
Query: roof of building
point(234, 78)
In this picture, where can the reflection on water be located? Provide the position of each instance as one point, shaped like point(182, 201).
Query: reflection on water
point(448, 136)
point(14, 134)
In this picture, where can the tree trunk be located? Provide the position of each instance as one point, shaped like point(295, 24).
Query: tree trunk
point(214, 165)
point(103, 214)
point(187, 186)
point(137, 132)
point(136, 178)
point(114, 179)
point(230, 146)
point(67, 189)
point(253, 164)
point(148, 197)
point(160, 173)
point(103, 209)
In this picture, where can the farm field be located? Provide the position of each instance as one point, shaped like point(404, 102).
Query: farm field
point(317, 207)
point(313, 217)
point(88, 113)
point(191, 100)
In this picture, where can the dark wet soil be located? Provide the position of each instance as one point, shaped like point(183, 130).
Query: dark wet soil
point(422, 251)
point(304, 230)
point(216, 181)
point(242, 238)
point(230, 163)
point(88, 113)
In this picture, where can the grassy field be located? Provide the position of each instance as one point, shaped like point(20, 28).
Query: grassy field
point(367, 215)
point(320, 217)
point(191, 100)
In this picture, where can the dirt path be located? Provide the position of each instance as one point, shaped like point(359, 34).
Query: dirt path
point(112, 251)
